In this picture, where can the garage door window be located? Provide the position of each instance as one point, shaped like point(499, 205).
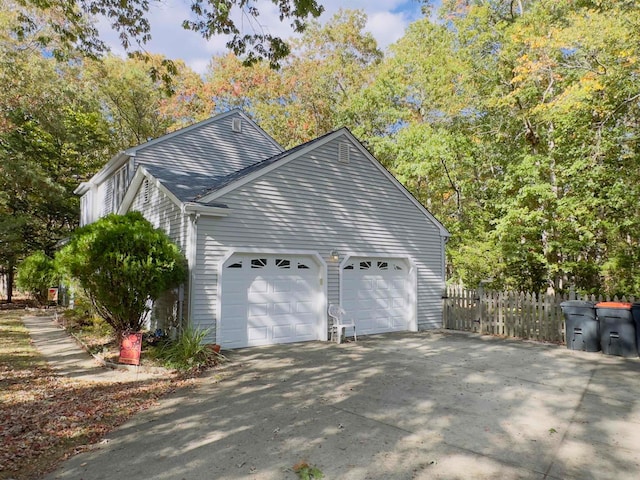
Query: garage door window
point(258, 262)
point(283, 263)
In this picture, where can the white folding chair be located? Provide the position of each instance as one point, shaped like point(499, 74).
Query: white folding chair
point(341, 323)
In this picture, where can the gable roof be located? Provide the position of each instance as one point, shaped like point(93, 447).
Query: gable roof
point(252, 172)
point(256, 167)
point(200, 163)
point(189, 159)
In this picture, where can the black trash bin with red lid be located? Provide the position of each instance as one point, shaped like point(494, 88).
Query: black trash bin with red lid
point(617, 329)
point(582, 330)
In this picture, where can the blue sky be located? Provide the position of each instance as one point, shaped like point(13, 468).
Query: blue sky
point(387, 20)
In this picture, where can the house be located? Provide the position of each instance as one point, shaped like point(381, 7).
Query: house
point(272, 237)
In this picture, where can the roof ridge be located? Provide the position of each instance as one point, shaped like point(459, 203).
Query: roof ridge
point(200, 124)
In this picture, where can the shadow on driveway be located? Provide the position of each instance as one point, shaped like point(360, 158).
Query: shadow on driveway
point(422, 405)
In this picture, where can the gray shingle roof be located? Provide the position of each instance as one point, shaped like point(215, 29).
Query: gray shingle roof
point(202, 156)
point(222, 181)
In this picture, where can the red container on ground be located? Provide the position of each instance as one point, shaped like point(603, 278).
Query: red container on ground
point(130, 348)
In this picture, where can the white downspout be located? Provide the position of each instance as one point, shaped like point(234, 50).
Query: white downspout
point(191, 259)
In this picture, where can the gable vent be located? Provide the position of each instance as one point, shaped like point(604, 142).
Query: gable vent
point(145, 190)
point(343, 152)
point(236, 125)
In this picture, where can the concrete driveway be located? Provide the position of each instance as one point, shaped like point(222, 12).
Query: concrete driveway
point(405, 406)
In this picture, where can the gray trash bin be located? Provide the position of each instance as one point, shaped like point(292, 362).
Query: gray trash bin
point(635, 313)
point(581, 326)
point(617, 329)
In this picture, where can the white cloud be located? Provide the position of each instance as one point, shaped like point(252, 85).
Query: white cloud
point(387, 27)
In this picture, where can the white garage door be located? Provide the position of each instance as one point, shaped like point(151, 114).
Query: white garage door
point(269, 299)
point(378, 293)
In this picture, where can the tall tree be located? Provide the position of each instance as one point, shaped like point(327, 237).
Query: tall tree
point(138, 107)
point(52, 135)
point(523, 113)
point(61, 120)
point(309, 95)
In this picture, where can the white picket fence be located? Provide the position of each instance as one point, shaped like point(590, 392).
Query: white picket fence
point(510, 314)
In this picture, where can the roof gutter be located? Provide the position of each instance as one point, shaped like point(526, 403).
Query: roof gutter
point(116, 162)
point(207, 210)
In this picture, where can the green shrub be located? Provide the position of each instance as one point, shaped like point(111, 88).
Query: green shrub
point(123, 264)
point(35, 275)
point(189, 352)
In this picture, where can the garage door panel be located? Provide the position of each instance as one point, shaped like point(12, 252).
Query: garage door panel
point(257, 333)
point(281, 295)
point(398, 302)
point(258, 310)
point(283, 285)
point(259, 286)
point(398, 322)
point(281, 332)
point(376, 292)
point(305, 331)
point(281, 308)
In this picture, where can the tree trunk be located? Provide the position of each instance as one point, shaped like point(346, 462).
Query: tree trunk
point(10, 272)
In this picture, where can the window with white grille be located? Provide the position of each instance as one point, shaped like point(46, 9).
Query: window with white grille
point(120, 184)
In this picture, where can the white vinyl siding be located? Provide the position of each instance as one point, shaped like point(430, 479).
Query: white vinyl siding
point(319, 204)
point(164, 214)
point(104, 199)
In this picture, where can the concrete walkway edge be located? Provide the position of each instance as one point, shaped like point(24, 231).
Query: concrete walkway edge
point(65, 354)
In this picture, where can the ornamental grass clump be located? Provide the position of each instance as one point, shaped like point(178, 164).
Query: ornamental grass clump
point(189, 351)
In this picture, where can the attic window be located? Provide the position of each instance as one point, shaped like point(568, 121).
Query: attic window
point(236, 125)
point(343, 152)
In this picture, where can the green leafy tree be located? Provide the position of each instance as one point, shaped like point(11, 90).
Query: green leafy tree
point(123, 264)
point(139, 108)
point(310, 94)
point(61, 120)
point(36, 274)
point(52, 134)
point(513, 122)
point(71, 20)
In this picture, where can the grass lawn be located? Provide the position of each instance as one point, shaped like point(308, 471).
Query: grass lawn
point(45, 418)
